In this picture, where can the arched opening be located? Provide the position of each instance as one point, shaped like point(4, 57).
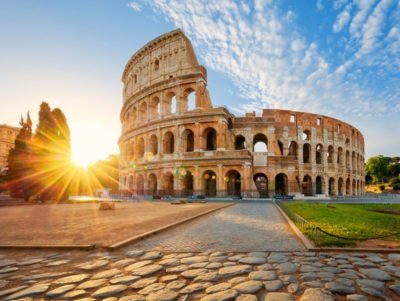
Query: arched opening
point(189, 99)
point(331, 188)
point(348, 186)
point(347, 159)
point(353, 161)
point(156, 65)
point(131, 150)
point(330, 154)
point(230, 124)
point(306, 135)
point(140, 185)
point(130, 185)
point(347, 142)
point(154, 144)
point(306, 153)
point(261, 182)
point(318, 185)
point(188, 141)
point(340, 188)
point(307, 186)
point(240, 142)
point(209, 183)
point(293, 149)
point(260, 143)
point(358, 186)
point(143, 112)
point(318, 154)
point(174, 105)
point(169, 105)
point(233, 183)
point(280, 144)
point(152, 184)
point(154, 107)
point(168, 143)
point(168, 183)
point(281, 184)
point(340, 160)
point(210, 135)
point(133, 118)
point(140, 147)
point(353, 190)
point(187, 183)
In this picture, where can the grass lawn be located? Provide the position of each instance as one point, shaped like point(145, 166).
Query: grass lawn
point(349, 220)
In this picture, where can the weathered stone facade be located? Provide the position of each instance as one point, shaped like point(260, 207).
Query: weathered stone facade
point(7, 139)
point(175, 142)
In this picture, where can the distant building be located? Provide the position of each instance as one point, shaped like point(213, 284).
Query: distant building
point(7, 139)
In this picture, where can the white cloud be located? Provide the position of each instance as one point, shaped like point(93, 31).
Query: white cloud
point(135, 6)
point(342, 19)
point(320, 5)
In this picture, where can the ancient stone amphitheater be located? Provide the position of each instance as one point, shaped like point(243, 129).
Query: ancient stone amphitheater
point(174, 142)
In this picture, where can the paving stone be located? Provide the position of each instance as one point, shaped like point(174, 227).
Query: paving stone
point(107, 274)
point(29, 292)
point(332, 270)
point(339, 288)
point(132, 298)
point(326, 276)
point(199, 265)
point(316, 294)
point(258, 254)
point(152, 288)
point(308, 269)
point(86, 299)
point(265, 267)
point(314, 284)
point(148, 270)
point(237, 280)
point(218, 287)
point(60, 290)
point(168, 278)
point(234, 270)
point(134, 253)
point(364, 264)
point(177, 269)
point(30, 261)
point(72, 279)
point(162, 295)
point(170, 262)
point(252, 260)
point(394, 257)
point(8, 270)
point(277, 258)
point(137, 265)
point(12, 290)
point(143, 282)
point(355, 297)
point(123, 262)
point(293, 288)
point(93, 265)
point(58, 263)
point(124, 279)
point(278, 297)
point(287, 268)
point(208, 277)
point(73, 294)
point(221, 296)
point(376, 274)
point(194, 259)
point(215, 254)
point(92, 284)
point(262, 275)
point(228, 264)
point(286, 279)
point(193, 273)
point(246, 297)
point(308, 276)
point(7, 262)
point(236, 257)
point(391, 269)
point(373, 292)
point(150, 255)
point(273, 285)
point(218, 259)
point(3, 283)
point(214, 265)
point(249, 287)
point(176, 285)
point(395, 288)
point(194, 287)
point(44, 276)
point(110, 290)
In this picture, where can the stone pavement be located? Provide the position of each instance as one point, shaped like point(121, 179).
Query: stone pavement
point(140, 275)
point(240, 228)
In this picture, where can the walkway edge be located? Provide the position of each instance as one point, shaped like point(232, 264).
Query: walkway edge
point(152, 232)
point(51, 247)
point(306, 242)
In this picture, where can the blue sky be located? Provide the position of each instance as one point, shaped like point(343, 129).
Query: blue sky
point(338, 58)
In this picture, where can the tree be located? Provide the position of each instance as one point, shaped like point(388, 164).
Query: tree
point(394, 169)
point(19, 173)
point(377, 168)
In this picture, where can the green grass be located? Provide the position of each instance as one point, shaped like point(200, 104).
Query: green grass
point(348, 220)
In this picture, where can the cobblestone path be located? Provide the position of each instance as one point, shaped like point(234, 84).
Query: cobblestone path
point(240, 228)
point(208, 276)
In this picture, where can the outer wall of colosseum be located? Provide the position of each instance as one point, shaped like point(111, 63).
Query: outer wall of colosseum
point(174, 142)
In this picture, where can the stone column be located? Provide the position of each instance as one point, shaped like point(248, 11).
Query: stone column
point(196, 181)
point(220, 182)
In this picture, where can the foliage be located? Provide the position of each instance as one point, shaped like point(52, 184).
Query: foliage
point(393, 181)
point(396, 187)
point(340, 220)
point(381, 187)
point(377, 168)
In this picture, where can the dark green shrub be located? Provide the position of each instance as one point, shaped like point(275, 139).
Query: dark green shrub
point(382, 187)
point(396, 186)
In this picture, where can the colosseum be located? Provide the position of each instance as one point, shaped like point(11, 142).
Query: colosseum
point(174, 142)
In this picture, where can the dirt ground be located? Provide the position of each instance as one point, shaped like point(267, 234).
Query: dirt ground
point(85, 224)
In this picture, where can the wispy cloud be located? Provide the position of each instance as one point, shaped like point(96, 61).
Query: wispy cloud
point(135, 6)
point(260, 48)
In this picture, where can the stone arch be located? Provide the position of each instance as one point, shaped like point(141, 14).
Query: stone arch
point(280, 145)
point(168, 143)
point(340, 186)
point(153, 144)
point(331, 186)
point(131, 150)
point(189, 99)
point(240, 142)
point(307, 185)
point(261, 182)
point(306, 136)
point(133, 118)
point(358, 186)
point(281, 184)
point(209, 179)
point(140, 185)
point(318, 153)
point(230, 124)
point(210, 138)
point(187, 140)
point(340, 159)
point(140, 147)
point(353, 161)
point(169, 103)
point(347, 142)
point(143, 111)
point(233, 183)
point(260, 143)
point(347, 159)
point(319, 182)
point(156, 65)
point(330, 154)
point(353, 187)
point(187, 183)
point(348, 186)
point(306, 153)
point(167, 183)
point(130, 185)
point(293, 149)
point(152, 184)
point(155, 107)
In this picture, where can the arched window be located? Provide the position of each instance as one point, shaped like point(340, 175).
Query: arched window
point(154, 144)
point(209, 183)
point(260, 143)
point(170, 103)
point(340, 160)
point(143, 112)
point(240, 142)
point(261, 182)
point(187, 141)
point(293, 149)
point(306, 135)
point(152, 184)
point(189, 99)
point(318, 154)
point(140, 147)
point(280, 144)
point(154, 107)
point(168, 143)
point(306, 153)
point(281, 184)
point(156, 65)
point(210, 135)
point(233, 183)
point(307, 186)
point(330, 154)
point(168, 183)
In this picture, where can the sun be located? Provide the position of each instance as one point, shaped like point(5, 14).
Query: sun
point(81, 159)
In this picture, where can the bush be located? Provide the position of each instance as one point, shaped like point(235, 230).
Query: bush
point(382, 187)
point(393, 181)
point(396, 187)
